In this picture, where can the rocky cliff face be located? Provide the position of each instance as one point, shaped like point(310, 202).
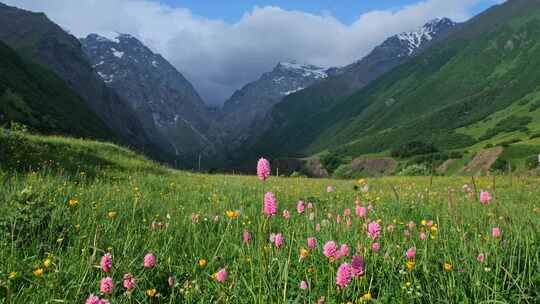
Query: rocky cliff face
point(167, 104)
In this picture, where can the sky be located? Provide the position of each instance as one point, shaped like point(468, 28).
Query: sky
point(221, 45)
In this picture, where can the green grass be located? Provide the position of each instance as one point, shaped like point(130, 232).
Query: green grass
point(70, 209)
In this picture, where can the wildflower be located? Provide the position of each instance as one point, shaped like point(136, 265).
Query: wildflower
point(311, 242)
point(329, 249)
point(423, 236)
point(277, 239)
point(329, 189)
point(318, 227)
point(149, 260)
point(310, 205)
point(343, 275)
point(73, 202)
point(374, 230)
point(338, 219)
point(38, 272)
point(342, 252)
point(447, 266)
point(300, 207)
point(232, 214)
point(111, 214)
point(481, 258)
point(202, 263)
point(263, 169)
point(246, 236)
point(423, 222)
point(357, 266)
point(360, 211)
point(106, 262)
point(47, 263)
point(286, 214)
point(303, 253)
point(411, 225)
point(12, 275)
point(367, 297)
point(92, 299)
point(170, 281)
point(485, 197)
point(347, 212)
point(410, 264)
point(128, 281)
point(496, 232)
point(270, 204)
point(221, 275)
point(411, 253)
point(152, 293)
point(106, 285)
point(376, 247)
point(303, 285)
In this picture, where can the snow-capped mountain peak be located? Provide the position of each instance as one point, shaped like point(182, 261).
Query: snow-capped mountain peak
point(415, 39)
point(307, 70)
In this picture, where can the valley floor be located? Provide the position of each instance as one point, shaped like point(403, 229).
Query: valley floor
point(83, 218)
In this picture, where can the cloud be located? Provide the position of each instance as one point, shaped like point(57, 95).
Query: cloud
point(219, 57)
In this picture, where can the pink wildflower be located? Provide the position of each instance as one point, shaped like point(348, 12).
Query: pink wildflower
point(303, 285)
point(300, 207)
point(343, 275)
point(330, 249)
point(263, 169)
point(360, 211)
point(423, 236)
point(106, 285)
point(92, 299)
point(338, 218)
point(149, 260)
point(270, 204)
point(311, 242)
point(277, 239)
point(170, 281)
point(342, 252)
point(347, 212)
point(481, 258)
point(310, 205)
point(286, 214)
point(496, 232)
point(221, 275)
point(106, 262)
point(375, 247)
point(411, 253)
point(318, 227)
point(128, 281)
point(374, 230)
point(329, 189)
point(485, 197)
point(357, 266)
point(246, 236)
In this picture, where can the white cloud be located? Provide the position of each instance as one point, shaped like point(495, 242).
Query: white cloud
point(219, 57)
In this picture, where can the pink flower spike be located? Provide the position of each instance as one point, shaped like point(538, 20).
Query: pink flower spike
point(221, 275)
point(347, 212)
point(128, 281)
point(330, 249)
point(329, 189)
point(303, 285)
point(374, 230)
point(496, 232)
point(270, 204)
point(106, 285)
point(411, 253)
point(286, 214)
point(343, 275)
point(300, 207)
point(170, 281)
point(357, 266)
point(92, 299)
point(149, 260)
point(423, 236)
point(246, 236)
point(263, 169)
point(481, 258)
point(106, 262)
point(375, 247)
point(485, 197)
point(104, 301)
point(360, 211)
point(311, 242)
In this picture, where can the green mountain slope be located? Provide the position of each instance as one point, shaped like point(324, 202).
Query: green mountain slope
point(36, 97)
point(486, 66)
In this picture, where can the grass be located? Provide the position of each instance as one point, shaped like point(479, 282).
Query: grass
point(63, 220)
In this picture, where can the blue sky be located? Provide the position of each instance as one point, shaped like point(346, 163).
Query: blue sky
point(347, 11)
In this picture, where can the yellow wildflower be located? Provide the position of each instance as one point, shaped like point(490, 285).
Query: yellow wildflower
point(38, 272)
point(303, 253)
point(367, 297)
point(231, 214)
point(73, 202)
point(111, 214)
point(202, 263)
point(152, 293)
point(47, 263)
point(447, 266)
point(12, 275)
point(410, 264)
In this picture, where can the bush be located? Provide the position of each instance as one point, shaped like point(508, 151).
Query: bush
point(501, 166)
point(414, 170)
point(507, 125)
point(531, 162)
point(413, 148)
point(331, 161)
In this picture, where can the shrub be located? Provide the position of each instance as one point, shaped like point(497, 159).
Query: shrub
point(531, 162)
point(414, 170)
point(507, 125)
point(331, 161)
point(413, 148)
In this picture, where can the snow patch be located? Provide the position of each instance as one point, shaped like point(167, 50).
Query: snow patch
point(117, 53)
point(292, 91)
point(108, 35)
point(307, 70)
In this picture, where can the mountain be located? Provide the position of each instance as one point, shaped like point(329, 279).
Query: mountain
point(39, 99)
point(37, 39)
point(242, 116)
point(293, 116)
point(168, 106)
point(480, 86)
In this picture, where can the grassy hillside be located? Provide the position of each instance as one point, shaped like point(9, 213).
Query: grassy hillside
point(36, 97)
point(68, 203)
point(485, 67)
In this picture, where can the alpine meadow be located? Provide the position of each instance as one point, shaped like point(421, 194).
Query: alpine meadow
point(407, 175)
